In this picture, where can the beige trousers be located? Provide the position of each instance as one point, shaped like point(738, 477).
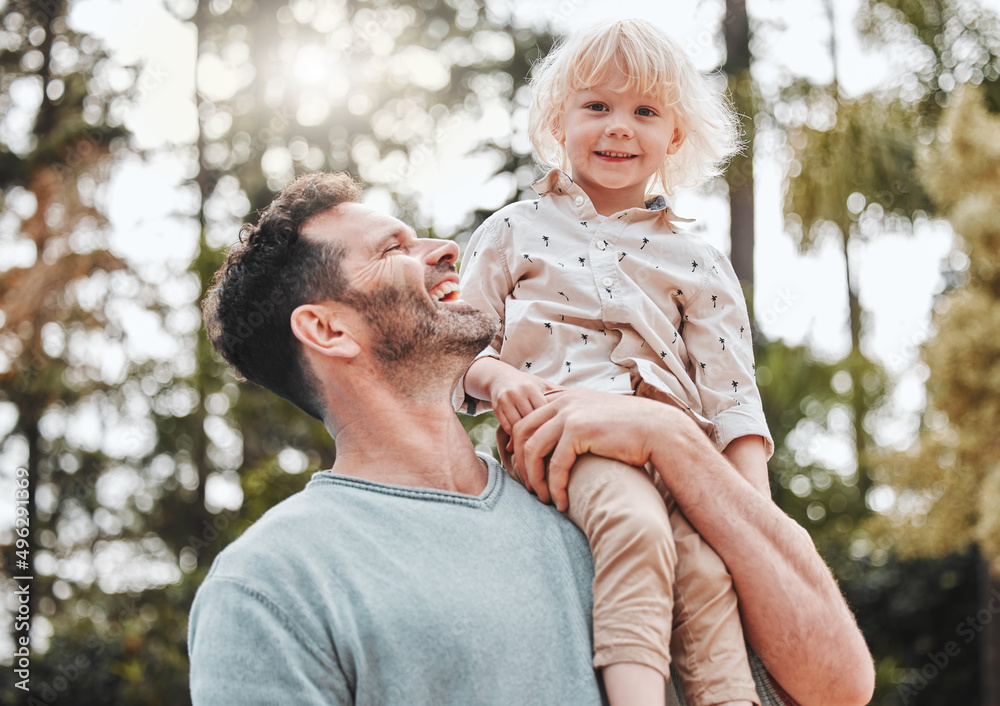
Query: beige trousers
point(659, 588)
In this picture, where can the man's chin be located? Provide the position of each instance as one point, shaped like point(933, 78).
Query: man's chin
point(470, 329)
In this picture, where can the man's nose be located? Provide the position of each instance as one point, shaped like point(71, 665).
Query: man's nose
point(440, 250)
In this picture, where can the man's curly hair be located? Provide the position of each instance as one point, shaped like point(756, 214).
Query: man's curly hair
point(267, 274)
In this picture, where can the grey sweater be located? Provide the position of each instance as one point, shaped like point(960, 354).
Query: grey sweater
point(355, 592)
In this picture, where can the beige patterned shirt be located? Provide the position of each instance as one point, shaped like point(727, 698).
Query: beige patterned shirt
point(610, 302)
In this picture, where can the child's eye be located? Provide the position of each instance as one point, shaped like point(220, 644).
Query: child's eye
point(596, 107)
point(646, 112)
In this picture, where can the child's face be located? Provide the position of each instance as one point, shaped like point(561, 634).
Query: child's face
point(615, 140)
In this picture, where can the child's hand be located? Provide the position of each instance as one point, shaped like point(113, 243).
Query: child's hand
point(512, 393)
point(515, 395)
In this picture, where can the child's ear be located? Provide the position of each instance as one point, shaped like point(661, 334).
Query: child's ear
point(557, 131)
point(326, 329)
point(676, 140)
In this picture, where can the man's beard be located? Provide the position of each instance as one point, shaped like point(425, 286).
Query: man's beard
point(411, 336)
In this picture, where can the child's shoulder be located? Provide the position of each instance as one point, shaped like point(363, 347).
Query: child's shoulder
point(517, 207)
point(681, 239)
point(513, 212)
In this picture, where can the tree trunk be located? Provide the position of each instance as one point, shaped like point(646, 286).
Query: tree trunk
point(740, 176)
point(857, 368)
point(30, 409)
point(206, 185)
point(989, 651)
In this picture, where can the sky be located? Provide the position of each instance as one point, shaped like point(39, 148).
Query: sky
point(800, 299)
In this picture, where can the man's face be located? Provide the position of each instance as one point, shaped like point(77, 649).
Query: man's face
point(405, 287)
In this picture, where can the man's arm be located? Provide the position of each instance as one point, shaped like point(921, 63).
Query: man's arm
point(793, 612)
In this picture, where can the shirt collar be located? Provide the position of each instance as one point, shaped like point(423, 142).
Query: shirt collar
point(658, 205)
point(556, 182)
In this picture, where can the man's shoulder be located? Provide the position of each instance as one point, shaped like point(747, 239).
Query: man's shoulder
point(296, 551)
point(287, 530)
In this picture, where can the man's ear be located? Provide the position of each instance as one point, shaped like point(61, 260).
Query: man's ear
point(325, 329)
point(676, 140)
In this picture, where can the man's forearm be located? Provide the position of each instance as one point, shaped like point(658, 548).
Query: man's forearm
point(793, 612)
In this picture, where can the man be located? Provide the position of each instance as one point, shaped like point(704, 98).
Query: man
point(414, 571)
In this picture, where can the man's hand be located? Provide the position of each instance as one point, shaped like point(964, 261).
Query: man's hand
point(579, 421)
point(513, 394)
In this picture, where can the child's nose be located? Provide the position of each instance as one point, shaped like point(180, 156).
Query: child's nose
point(618, 128)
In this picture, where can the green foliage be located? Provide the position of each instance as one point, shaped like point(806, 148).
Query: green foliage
point(869, 150)
point(947, 43)
point(807, 403)
point(851, 177)
point(948, 484)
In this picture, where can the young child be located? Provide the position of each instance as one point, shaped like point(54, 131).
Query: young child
point(595, 285)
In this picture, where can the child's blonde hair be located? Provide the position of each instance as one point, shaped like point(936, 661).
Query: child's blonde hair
point(655, 65)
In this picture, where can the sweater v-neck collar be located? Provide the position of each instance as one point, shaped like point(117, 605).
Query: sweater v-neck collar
point(494, 487)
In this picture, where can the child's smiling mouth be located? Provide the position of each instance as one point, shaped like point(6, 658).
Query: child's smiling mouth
point(608, 154)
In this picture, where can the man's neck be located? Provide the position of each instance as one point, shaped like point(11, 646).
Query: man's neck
point(410, 443)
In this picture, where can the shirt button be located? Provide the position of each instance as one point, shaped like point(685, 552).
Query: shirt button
point(607, 281)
